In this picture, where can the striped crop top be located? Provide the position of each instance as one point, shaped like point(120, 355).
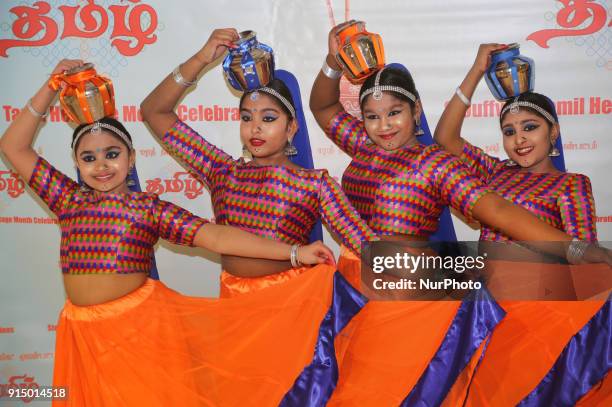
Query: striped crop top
point(109, 233)
point(402, 191)
point(272, 201)
point(562, 200)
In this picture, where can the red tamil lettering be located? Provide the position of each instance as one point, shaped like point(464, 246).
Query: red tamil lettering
point(175, 184)
point(93, 27)
point(16, 186)
point(30, 22)
point(193, 187)
point(573, 14)
point(155, 186)
point(13, 185)
point(142, 36)
point(90, 20)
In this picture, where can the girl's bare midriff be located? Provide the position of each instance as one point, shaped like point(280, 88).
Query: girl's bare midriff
point(245, 266)
point(91, 289)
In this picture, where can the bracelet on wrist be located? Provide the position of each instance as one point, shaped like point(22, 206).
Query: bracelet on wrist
point(36, 112)
point(330, 72)
point(178, 78)
point(295, 263)
point(576, 250)
point(466, 101)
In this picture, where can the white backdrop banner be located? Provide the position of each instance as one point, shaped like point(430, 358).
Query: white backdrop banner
point(137, 42)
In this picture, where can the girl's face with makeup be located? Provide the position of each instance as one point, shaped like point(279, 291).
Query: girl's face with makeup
point(265, 129)
point(104, 162)
point(528, 138)
point(389, 121)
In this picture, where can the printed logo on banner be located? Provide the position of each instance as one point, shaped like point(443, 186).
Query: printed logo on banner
point(11, 183)
point(583, 22)
point(102, 31)
point(22, 382)
point(191, 187)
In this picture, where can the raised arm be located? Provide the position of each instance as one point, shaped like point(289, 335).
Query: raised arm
point(325, 94)
point(158, 107)
point(448, 130)
point(16, 142)
point(181, 141)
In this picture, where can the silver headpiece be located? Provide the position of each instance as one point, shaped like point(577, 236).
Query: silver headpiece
point(515, 106)
point(96, 128)
point(280, 97)
point(377, 90)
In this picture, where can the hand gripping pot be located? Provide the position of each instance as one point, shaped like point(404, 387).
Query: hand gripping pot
point(250, 65)
point(510, 73)
point(360, 53)
point(86, 96)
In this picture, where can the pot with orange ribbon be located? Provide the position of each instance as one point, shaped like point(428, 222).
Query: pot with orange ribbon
point(86, 96)
point(360, 52)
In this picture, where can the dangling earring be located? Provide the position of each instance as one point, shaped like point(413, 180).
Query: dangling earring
point(290, 149)
point(554, 152)
point(130, 180)
point(510, 163)
point(418, 131)
point(246, 154)
point(84, 188)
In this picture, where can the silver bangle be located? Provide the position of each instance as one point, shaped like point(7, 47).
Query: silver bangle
point(36, 112)
point(178, 78)
point(295, 263)
point(462, 97)
point(576, 250)
point(330, 72)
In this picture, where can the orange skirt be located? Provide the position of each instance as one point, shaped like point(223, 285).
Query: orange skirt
point(155, 347)
point(232, 286)
point(529, 341)
point(386, 352)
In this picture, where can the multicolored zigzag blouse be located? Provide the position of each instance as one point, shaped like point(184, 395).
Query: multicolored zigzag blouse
point(562, 200)
point(402, 191)
point(273, 201)
point(109, 233)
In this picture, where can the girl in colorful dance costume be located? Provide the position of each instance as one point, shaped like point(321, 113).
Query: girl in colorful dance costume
point(270, 195)
point(411, 352)
point(544, 352)
point(126, 340)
